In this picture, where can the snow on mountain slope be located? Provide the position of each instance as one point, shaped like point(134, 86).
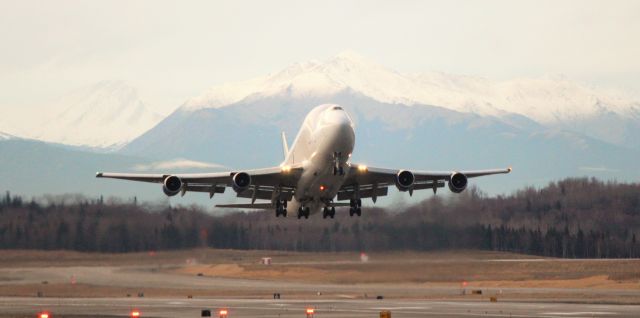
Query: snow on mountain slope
point(5, 136)
point(546, 100)
point(107, 114)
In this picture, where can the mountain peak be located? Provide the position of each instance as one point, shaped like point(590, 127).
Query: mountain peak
point(351, 56)
point(105, 114)
point(550, 99)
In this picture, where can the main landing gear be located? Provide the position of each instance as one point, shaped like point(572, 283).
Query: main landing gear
point(328, 212)
point(356, 207)
point(304, 211)
point(281, 208)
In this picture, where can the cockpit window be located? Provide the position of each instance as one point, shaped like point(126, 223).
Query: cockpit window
point(337, 108)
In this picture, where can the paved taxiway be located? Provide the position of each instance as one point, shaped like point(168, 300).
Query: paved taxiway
point(157, 307)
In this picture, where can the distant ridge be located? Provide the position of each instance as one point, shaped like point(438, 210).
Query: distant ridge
point(107, 114)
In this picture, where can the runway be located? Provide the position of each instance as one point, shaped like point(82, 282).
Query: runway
point(182, 283)
point(171, 307)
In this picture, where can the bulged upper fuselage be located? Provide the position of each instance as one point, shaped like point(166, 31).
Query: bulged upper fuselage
point(323, 147)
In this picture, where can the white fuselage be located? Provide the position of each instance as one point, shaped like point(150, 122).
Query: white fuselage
point(326, 131)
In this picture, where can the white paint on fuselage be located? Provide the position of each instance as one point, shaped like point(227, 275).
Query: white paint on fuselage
point(326, 130)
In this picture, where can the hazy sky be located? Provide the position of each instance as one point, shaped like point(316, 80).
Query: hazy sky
point(174, 50)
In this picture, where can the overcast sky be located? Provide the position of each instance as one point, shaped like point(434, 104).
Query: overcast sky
point(174, 50)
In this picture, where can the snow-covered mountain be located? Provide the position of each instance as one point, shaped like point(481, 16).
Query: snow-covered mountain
point(5, 136)
point(554, 102)
point(107, 114)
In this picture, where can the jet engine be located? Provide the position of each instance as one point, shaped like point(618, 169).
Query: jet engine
point(458, 182)
point(404, 180)
point(171, 185)
point(240, 182)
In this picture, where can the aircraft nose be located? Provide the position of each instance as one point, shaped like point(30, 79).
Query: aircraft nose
point(336, 117)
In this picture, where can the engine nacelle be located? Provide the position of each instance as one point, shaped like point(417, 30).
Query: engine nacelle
point(404, 180)
point(241, 182)
point(458, 182)
point(172, 185)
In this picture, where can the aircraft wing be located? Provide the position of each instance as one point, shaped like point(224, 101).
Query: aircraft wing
point(372, 182)
point(266, 206)
point(264, 182)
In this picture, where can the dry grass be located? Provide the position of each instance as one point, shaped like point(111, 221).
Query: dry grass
point(449, 268)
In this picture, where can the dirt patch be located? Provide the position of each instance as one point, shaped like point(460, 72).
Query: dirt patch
point(429, 268)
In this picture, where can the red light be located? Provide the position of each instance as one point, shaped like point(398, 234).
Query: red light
point(310, 311)
point(322, 188)
point(135, 313)
point(44, 315)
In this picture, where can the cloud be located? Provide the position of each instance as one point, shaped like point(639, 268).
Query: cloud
point(598, 169)
point(177, 164)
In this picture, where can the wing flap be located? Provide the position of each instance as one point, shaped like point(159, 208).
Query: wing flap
point(259, 206)
point(363, 193)
point(363, 179)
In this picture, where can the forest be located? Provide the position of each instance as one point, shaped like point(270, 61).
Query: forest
point(571, 218)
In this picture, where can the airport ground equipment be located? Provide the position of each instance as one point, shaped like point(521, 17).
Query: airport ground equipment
point(385, 314)
point(205, 313)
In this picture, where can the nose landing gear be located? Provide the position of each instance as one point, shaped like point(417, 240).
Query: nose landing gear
point(304, 211)
point(337, 164)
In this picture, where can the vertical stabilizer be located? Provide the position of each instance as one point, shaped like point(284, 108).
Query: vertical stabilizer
point(285, 146)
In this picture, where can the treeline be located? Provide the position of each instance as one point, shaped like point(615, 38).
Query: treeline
point(573, 218)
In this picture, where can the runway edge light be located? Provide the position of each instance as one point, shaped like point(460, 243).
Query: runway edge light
point(135, 313)
point(43, 314)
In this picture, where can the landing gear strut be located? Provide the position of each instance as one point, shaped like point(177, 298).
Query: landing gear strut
point(328, 212)
point(356, 207)
point(304, 211)
point(281, 208)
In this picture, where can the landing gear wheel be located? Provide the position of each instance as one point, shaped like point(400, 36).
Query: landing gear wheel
point(332, 213)
point(341, 171)
point(281, 208)
point(325, 212)
point(358, 211)
point(278, 209)
point(300, 212)
point(351, 211)
point(307, 211)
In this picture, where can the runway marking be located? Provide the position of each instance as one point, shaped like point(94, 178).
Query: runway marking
point(580, 313)
point(402, 308)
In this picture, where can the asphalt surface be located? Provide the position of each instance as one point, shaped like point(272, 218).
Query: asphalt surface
point(81, 307)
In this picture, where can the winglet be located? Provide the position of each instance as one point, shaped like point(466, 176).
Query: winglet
point(98, 174)
point(285, 146)
point(509, 169)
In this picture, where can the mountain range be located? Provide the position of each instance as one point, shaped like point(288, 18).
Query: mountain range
point(545, 128)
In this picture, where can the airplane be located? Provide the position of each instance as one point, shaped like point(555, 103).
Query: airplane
point(316, 173)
